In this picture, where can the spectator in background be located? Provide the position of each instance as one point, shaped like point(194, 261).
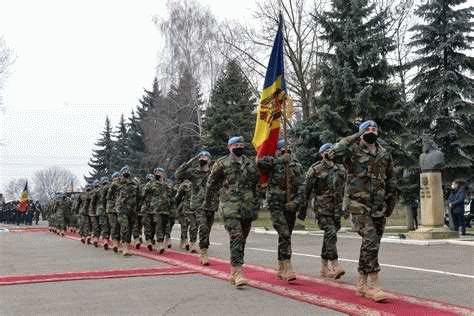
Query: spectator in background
point(414, 212)
point(456, 205)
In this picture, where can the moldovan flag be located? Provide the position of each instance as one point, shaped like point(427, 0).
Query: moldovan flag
point(23, 205)
point(267, 128)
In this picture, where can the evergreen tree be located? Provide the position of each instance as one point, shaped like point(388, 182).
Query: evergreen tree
point(230, 110)
point(443, 90)
point(101, 160)
point(122, 152)
point(355, 78)
point(135, 145)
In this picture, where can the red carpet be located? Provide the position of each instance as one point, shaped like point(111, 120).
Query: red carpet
point(324, 293)
point(27, 229)
point(91, 275)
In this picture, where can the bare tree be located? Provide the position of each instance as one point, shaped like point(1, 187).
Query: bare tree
point(51, 180)
point(14, 188)
point(6, 59)
point(190, 33)
point(302, 46)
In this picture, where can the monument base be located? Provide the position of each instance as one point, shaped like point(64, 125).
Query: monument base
point(426, 232)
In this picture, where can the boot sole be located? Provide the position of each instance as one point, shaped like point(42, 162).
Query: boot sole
point(339, 275)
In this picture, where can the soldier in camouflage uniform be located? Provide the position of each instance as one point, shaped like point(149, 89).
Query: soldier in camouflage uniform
point(238, 177)
point(197, 171)
point(283, 170)
point(104, 229)
point(183, 199)
point(82, 208)
point(126, 207)
point(112, 215)
point(147, 215)
point(156, 197)
point(173, 212)
point(94, 219)
point(137, 230)
point(369, 196)
point(325, 179)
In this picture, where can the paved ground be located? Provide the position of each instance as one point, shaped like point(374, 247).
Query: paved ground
point(440, 272)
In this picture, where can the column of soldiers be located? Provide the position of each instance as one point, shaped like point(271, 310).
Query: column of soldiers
point(354, 177)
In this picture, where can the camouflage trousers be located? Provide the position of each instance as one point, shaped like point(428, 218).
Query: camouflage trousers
point(114, 226)
point(238, 230)
point(126, 221)
point(95, 228)
point(191, 226)
point(150, 226)
point(183, 222)
point(104, 226)
point(169, 226)
point(205, 220)
point(371, 230)
point(284, 223)
point(161, 221)
point(60, 221)
point(331, 225)
point(137, 227)
point(85, 225)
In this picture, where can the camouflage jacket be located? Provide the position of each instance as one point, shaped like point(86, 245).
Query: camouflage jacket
point(94, 200)
point(156, 196)
point(326, 183)
point(183, 198)
point(60, 206)
point(277, 182)
point(236, 182)
point(192, 171)
point(371, 184)
point(127, 196)
point(111, 197)
point(102, 200)
point(83, 202)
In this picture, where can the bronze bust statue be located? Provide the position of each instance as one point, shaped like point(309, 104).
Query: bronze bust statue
point(432, 159)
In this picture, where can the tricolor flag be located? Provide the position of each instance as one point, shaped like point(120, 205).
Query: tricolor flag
point(267, 128)
point(23, 202)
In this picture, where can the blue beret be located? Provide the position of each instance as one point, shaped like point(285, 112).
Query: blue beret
point(115, 174)
point(158, 169)
point(125, 169)
point(235, 140)
point(325, 147)
point(104, 179)
point(366, 125)
point(204, 153)
point(150, 176)
point(281, 143)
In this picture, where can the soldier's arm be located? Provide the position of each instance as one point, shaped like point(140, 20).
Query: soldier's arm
point(214, 182)
point(341, 150)
point(308, 190)
point(265, 163)
point(183, 171)
point(390, 189)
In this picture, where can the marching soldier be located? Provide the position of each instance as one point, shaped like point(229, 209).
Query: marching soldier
point(238, 177)
point(94, 219)
point(325, 179)
point(104, 229)
point(285, 191)
point(369, 196)
point(112, 214)
point(126, 204)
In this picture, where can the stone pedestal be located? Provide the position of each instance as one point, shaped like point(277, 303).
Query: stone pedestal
point(432, 209)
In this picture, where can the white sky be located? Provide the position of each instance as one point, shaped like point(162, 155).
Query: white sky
point(77, 61)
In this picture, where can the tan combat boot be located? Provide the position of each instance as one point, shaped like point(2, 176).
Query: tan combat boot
point(183, 243)
point(95, 242)
point(232, 275)
point(88, 240)
point(204, 258)
point(120, 247)
point(281, 270)
point(115, 246)
point(361, 286)
point(160, 247)
point(325, 272)
point(193, 248)
point(137, 244)
point(289, 273)
point(338, 271)
point(149, 245)
point(374, 292)
point(106, 244)
point(239, 279)
point(167, 243)
point(125, 252)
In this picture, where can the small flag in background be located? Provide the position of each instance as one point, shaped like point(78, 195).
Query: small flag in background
point(23, 205)
point(273, 96)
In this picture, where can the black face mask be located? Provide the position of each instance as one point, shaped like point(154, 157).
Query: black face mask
point(238, 151)
point(370, 138)
point(126, 175)
point(203, 162)
point(157, 177)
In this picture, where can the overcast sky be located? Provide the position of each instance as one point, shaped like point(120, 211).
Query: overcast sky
point(76, 62)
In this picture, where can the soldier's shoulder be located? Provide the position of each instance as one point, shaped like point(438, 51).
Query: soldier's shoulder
point(315, 167)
